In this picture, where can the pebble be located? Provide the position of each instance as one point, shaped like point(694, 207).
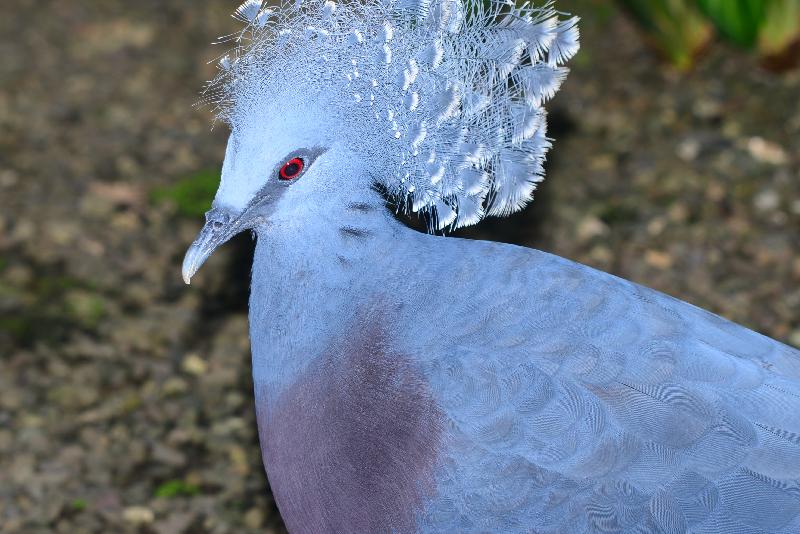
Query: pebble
point(194, 365)
point(658, 259)
point(794, 338)
point(591, 227)
point(175, 386)
point(254, 518)
point(8, 178)
point(168, 455)
point(138, 515)
point(688, 149)
point(767, 200)
point(176, 523)
point(766, 151)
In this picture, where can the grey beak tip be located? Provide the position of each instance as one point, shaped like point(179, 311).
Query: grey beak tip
point(189, 266)
point(187, 276)
point(219, 227)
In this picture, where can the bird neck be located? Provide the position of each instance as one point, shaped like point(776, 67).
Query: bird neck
point(343, 226)
point(310, 277)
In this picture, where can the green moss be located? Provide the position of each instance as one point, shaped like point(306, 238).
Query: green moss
point(617, 212)
point(10, 292)
point(131, 403)
point(86, 308)
point(19, 327)
point(48, 307)
point(192, 195)
point(176, 488)
point(47, 287)
point(79, 505)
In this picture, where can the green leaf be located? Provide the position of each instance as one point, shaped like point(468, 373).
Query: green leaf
point(676, 28)
point(781, 27)
point(176, 488)
point(737, 20)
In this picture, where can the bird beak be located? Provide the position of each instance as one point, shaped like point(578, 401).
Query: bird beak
point(220, 226)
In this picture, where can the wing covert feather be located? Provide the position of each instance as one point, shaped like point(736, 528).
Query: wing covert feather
point(581, 402)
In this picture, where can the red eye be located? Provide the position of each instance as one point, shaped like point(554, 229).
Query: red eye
point(291, 169)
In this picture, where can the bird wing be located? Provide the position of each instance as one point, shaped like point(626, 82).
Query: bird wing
point(581, 402)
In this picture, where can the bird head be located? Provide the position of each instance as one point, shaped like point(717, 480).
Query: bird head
point(276, 166)
point(440, 102)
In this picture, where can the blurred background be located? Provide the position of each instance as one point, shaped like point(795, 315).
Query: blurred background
point(125, 396)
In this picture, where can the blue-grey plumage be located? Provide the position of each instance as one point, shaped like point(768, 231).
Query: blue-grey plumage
point(412, 383)
point(558, 398)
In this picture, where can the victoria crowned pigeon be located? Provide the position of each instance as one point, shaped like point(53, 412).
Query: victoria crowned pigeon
point(410, 382)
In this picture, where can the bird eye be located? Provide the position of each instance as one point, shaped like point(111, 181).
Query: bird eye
point(291, 169)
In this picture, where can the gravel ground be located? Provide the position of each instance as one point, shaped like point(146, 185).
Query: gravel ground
point(125, 397)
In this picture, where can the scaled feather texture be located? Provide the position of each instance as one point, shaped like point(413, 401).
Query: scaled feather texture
point(407, 382)
point(453, 91)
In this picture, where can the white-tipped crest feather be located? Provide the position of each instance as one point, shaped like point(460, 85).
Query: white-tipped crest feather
point(445, 215)
point(328, 9)
point(565, 45)
point(444, 97)
point(248, 11)
point(263, 18)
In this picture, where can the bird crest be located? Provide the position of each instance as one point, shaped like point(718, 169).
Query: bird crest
point(443, 97)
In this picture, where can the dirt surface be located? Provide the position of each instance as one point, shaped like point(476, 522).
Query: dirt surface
point(125, 397)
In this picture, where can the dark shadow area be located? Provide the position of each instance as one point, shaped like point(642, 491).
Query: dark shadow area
point(232, 295)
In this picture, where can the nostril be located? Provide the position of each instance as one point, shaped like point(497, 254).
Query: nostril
point(217, 219)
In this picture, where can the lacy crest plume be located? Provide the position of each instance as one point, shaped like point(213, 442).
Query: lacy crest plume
point(444, 97)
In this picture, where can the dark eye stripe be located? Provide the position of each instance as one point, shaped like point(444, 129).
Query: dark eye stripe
point(291, 169)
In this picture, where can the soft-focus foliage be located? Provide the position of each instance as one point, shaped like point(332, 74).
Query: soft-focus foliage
point(737, 20)
point(680, 28)
point(674, 27)
point(191, 195)
point(780, 31)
